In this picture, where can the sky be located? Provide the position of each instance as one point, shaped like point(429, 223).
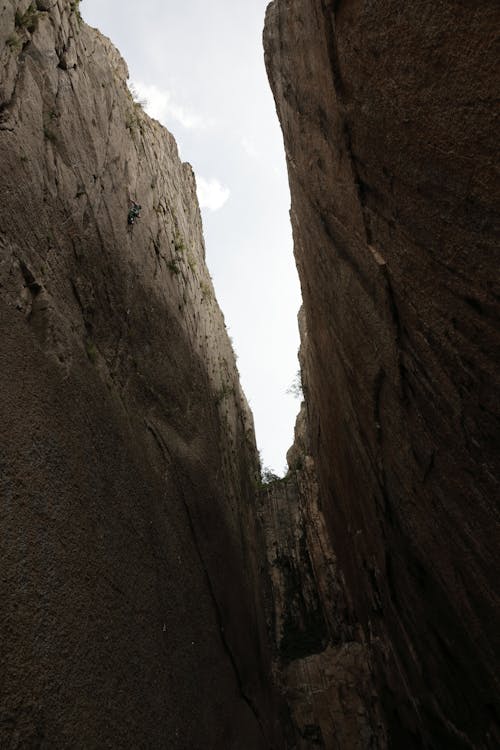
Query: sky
point(200, 69)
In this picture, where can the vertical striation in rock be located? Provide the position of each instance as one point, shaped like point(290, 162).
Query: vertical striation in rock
point(389, 121)
point(321, 660)
point(131, 613)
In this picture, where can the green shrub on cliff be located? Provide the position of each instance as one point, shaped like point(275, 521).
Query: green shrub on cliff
point(14, 42)
point(296, 389)
point(75, 8)
point(27, 20)
point(179, 243)
point(173, 267)
point(267, 476)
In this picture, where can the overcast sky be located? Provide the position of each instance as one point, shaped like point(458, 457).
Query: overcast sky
point(200, 67)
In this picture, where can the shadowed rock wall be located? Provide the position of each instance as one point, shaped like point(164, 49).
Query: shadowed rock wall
point(131, 614)
point(321, 660)
point(389, 121)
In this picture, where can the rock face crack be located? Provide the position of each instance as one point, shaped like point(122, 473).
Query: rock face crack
point(244, 695)
point(216, 607)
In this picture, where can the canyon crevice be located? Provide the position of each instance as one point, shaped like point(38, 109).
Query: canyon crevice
point(155, 593)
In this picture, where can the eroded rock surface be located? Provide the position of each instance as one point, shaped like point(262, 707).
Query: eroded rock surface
point(389, 121)
point(321, 659)
point(131, 614)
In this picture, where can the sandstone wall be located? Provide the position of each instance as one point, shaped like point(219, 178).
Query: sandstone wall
point(389, 124)
point(130, 608)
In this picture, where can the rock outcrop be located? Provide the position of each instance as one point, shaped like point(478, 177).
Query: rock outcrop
point(131, 613)
point(388, 117)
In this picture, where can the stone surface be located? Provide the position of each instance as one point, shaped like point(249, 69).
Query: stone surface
point(136, 603)
point(389, 121)
point(131, 613)
point(321, 660)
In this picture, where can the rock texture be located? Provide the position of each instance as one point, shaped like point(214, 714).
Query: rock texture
point(321, 661)
point(389, 121)
point(131, 614)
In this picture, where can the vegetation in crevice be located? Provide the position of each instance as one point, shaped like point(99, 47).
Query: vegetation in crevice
point(179, 243)
point(134, 117)
point(75, 9)
point(296, 389)
point(14, 42)
point(173, 266)
point(206, 291)
point(27, 21)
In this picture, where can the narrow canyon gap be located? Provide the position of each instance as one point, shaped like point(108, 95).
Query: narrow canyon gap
point(203, 76)
point(154, 593)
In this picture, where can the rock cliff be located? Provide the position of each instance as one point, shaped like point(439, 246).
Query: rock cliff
point(142, 570)
point(388, 114)
point(131, 613)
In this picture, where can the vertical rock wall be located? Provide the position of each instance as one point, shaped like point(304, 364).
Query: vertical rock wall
point(389, 120)
point(131, 614)
point(321, 660)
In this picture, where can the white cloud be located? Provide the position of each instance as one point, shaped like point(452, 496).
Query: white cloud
point(211, 194)
point(160, 105)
